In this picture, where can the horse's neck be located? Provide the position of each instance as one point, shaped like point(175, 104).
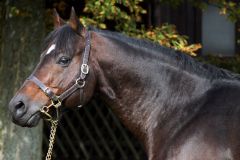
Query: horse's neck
point(143, 92)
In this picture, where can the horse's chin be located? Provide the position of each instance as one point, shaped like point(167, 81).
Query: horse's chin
point(32, 121)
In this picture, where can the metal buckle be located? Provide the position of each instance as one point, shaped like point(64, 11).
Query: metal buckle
point(84, 68)
point(47, 91)
point(45, 110)
point(56, 104)
point(80, 82)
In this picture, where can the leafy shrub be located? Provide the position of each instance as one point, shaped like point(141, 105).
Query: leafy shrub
point(126, 16)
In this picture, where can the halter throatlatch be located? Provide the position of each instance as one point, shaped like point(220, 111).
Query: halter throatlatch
point(56, 101)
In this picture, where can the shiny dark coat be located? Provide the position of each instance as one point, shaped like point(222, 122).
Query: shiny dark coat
point(178, 108)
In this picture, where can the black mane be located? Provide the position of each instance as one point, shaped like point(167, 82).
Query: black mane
point(173, 57)
point(64, 38)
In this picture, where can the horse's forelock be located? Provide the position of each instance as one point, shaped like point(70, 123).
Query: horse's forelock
point(63, 39)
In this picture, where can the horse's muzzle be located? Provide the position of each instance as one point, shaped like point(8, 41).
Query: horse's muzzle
point(19, 112)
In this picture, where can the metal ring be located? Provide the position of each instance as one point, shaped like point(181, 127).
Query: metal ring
point(80, 82)
point(84, 69)
point(45, 109)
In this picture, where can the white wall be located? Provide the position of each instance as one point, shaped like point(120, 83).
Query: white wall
point(218, 33)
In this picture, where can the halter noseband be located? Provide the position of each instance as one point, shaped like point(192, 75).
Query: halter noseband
point(56, 101)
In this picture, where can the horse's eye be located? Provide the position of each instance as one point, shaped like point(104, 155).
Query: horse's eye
point(64, 61)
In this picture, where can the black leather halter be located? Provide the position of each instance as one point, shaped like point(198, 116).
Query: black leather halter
point(78, 85)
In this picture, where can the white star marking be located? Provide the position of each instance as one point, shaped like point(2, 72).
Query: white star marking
point(51, 48)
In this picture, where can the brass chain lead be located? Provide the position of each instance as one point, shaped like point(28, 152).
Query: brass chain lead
point(54, 124)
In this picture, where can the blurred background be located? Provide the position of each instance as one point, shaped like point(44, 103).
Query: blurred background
point(205, 29)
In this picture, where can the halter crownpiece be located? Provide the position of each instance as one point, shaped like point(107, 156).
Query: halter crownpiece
point(56, 101)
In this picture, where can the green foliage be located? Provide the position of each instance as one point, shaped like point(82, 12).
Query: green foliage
point(110, 10)
point(168, 36)
point(126, 15)
point(231, 9)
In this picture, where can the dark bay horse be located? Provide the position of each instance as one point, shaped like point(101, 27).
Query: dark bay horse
point(180, 109)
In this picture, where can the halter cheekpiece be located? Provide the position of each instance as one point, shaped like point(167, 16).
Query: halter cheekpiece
point(56, 101)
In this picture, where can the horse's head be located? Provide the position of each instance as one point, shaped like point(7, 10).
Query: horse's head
point(59, 68)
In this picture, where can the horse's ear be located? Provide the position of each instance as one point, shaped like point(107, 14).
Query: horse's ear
point(74, 22)
point(57, 20)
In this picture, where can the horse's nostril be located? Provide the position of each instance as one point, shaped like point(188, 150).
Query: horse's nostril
point(19, 105)
point(20, 109)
